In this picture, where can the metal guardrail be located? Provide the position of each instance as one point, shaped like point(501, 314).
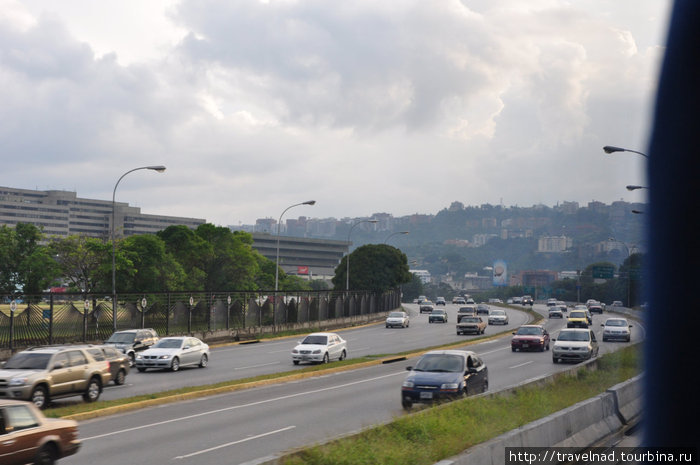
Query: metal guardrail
point(59, 318)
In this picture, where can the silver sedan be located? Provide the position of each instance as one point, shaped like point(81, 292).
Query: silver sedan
point(172, 353)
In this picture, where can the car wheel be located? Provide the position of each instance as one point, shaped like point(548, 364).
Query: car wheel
point(141, 369)
point(512, 349)
point(325, 358)
point(555, 360)
point(343, 354)
point(406, 403)
point(40, 397)
point(92, 393)
point(296, 362)
point(204, 361)
point(46, 455)
point(542, 348)
point(486, 385)
point(132, 359)
point(628, 339)
point(175, 365)
point(121, 378)
point(387, 326)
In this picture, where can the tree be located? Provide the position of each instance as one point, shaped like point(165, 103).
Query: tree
point(373, 267)
point(191, 251)
point(84, 261)
point(25, 265)
point(155, 270)
point(412, 289)
point(230, 261)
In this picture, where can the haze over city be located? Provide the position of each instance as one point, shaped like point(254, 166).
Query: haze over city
point(400, 107)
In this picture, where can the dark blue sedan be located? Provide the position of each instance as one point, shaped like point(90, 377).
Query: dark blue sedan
point(444, 375)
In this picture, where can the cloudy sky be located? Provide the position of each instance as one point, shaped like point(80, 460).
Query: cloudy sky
point(400, 106)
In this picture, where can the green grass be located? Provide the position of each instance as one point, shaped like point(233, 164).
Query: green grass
point(434, 434)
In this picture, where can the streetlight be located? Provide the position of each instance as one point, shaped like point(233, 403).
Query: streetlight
point(629, 265)
point(634, 188)
point(157, 168)
point(277, 257)
point(347, 260)
point(394, 234)
point(613, 149)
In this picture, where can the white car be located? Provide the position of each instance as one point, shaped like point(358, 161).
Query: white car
point(399, 319)
point(171, 353)
point(498, 317)
point(574, 344)
point(616, 328)
point(320, 348)
point(555, 312)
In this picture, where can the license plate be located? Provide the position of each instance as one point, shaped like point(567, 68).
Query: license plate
point(525, 346)
point(426, 395)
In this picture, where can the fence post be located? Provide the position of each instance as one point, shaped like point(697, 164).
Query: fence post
point(51, 319)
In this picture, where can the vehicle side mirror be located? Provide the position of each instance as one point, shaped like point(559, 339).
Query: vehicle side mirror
point(554, 340)
point(409, 368)
point(602, 324)
point(471, 370)
point(58, 366)
point(137, 341)
point(186, 347)
point(630, 326)
point(513, 332)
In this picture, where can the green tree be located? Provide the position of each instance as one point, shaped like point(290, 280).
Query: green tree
point(191, 251)
point(373, 267)
point(84, 261)
point(25, 265)
point(412, 289)
point(231, 262)
point(154, 270)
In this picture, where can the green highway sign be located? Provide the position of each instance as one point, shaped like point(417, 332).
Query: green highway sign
point(603, 272)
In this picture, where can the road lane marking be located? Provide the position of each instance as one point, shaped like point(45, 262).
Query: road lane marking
point(236, 407)
point(522, 364)
point(233, 443)
point(257, 366)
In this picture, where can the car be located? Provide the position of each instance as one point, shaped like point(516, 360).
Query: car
point(498, 317)
point(426, 306)
point(551, 302)
point(440, 301)
point(482, 309)
point(527, 300)
point(590, 302)
point(574, 344)
point(517, 300)
point(466, 310)
point(459, 300)
point(437, 316)
point(444, 375)
point(470, 301)
point(118, 361)
point(562, 305)
point(40, 374)
point(421, 299)
point(577, 319)
point(173, 353)
point(555, 312)
point(617, 303)
point(616, 329)
point(596, 308)
point(320, 348)
point(399, 319)
point(509, 301)
point(131, 341)
point(530, 337)
point(27, 436)
point(470, 324)
point(495, 301)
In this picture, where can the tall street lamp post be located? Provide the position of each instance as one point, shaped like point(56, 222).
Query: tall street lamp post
point(157, 168)
point(629, 265)
point(613, 149)
point(347, 259)
point(277, 256)
point(394, 234)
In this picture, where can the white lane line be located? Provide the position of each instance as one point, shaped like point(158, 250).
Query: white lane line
point(522, 364)
point(257, 366)
point(495, 350)
point(233, 443)
point(236, 407)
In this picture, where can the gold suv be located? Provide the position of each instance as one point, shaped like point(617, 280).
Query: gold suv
point(44, 373)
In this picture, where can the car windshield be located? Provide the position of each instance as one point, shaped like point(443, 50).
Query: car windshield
point(468, 319)
point(497, 312)
point(122, 338)
point(396, 315)
point(446, 363)
point(616, 323)
point(578, 315)
point(438, 312)
point(528, 332)
point(28, 361)
point(315, 339)
point(169, 344)
point(574, 336)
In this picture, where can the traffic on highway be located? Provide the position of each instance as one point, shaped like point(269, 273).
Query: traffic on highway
point(250, 425)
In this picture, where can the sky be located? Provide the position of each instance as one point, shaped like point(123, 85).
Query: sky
point(399, 107)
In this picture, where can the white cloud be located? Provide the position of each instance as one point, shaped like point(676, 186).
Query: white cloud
point(364, 106)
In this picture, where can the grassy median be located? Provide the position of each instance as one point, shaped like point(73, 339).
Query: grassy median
point(435, 434)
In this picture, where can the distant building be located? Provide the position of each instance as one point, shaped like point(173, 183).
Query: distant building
point(63, 213)
point(554, 244)
point(423, 275)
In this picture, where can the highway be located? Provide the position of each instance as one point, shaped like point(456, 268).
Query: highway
point(244, 427)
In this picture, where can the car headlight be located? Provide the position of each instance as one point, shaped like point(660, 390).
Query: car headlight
point(407, 384)
point(17, 382)
point(139, 356)
point(294, 351)
point(450, 387)
point(317, 351)
point(164, 357)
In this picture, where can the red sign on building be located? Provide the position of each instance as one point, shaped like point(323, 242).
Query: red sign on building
point(302, 270)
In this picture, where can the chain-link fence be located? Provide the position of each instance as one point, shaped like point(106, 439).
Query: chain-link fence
point(59, 318)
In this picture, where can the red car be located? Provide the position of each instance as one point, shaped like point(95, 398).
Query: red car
point(530, 337)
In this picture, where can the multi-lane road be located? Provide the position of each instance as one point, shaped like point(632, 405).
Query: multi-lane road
point(248, 426)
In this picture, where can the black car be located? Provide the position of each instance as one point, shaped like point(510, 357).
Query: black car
point(130, 341)
point(482, 309)
point(444, 375)
point(119, 362)
point(437, 316)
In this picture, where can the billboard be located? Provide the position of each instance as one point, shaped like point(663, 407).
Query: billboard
point(302, 270)
point(500, 273)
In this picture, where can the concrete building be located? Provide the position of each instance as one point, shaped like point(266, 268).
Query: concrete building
point(63, 213)
point(316, 258)
point(554, 244)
